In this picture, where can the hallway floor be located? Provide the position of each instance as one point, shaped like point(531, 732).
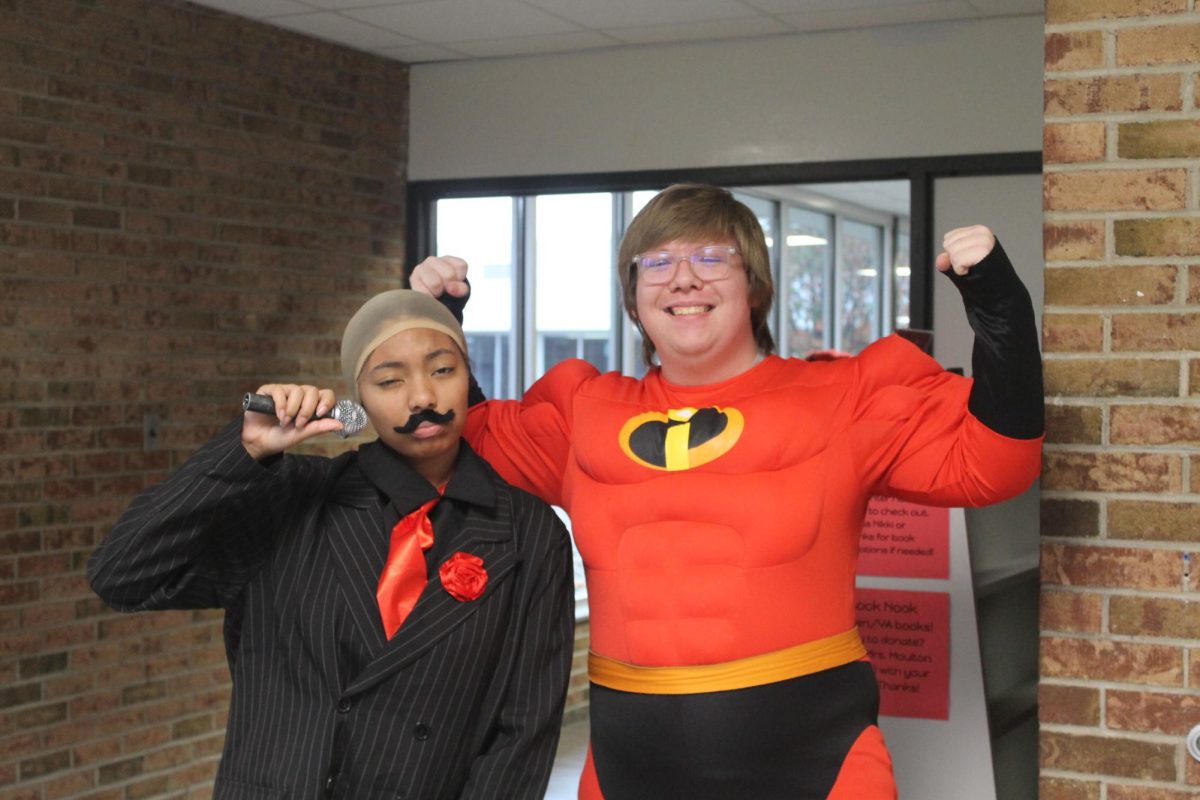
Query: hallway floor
point(568, 762)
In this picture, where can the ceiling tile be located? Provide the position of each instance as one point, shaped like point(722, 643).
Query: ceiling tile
point(336, 28)
point(550, 43)
point(440, 21)
point(701, 31)
point(633, 13)
point(889, 14)
point(808, 6)
point(410, 30)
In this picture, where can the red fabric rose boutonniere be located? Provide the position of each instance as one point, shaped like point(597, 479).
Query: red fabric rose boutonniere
point(463, 576)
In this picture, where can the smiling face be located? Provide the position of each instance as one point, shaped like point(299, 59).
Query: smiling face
point(418, 370)
point(701, 329)
point(690, 216)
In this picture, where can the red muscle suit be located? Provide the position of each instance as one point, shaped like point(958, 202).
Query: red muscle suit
point(719, 524)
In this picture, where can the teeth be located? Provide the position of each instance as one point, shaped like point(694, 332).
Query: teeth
point(683, 311)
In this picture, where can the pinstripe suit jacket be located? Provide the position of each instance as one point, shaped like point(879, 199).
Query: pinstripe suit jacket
point(463, 702)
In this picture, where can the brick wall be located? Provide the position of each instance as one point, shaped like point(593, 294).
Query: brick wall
point(190, 204)
point(577, 689)
point(1120, 660)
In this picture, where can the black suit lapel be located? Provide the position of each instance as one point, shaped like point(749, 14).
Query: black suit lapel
point(359, 537)
point(436, 615)
point(485, 532)
point(357, 541)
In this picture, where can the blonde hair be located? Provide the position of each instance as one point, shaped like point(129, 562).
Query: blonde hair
point(696, 212)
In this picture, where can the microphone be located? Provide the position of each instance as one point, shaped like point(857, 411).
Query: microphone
point(352, 416)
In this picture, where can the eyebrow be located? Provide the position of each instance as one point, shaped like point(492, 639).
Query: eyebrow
point(441, 351)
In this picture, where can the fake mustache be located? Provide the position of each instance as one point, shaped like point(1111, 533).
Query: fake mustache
point(424, 415)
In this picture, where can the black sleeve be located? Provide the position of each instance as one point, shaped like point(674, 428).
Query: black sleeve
point(195, 539)
point(457, 305)
point(1006, 363)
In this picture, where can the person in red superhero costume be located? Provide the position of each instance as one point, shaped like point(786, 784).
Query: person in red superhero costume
point(717, 502)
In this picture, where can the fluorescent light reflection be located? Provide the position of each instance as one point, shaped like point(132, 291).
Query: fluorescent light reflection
point(805, 240)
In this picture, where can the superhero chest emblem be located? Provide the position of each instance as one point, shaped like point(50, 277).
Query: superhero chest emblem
point(682, 438)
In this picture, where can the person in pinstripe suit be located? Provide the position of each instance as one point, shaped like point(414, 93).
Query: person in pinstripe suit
point(465, 700)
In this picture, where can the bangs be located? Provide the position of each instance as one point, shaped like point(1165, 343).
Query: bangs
point(688, 221)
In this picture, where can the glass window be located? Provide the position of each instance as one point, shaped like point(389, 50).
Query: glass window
point(573, 279)
point(859, 281)
point(902, 279)
point(639, 199)
point(807, 265)
point(765, 212)
point(631, 349)
point(480, 230)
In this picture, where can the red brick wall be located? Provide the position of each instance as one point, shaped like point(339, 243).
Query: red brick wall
point(1120, 660)
point(190, 204)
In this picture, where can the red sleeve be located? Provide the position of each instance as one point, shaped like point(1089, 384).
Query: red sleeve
point(528, 441)
point(917, 440)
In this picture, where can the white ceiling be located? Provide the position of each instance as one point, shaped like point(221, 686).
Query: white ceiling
point(417, 31)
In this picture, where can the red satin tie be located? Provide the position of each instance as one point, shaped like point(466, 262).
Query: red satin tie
point(404, 575)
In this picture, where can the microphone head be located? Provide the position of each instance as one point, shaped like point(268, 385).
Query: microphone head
point(352, 416)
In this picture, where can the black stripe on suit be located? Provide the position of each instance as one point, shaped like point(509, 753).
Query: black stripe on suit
point(464, 702)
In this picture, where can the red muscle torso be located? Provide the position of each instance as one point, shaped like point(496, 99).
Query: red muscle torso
point(722, 521)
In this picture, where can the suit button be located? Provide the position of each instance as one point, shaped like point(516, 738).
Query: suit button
point(421, 731)
point(343, 705)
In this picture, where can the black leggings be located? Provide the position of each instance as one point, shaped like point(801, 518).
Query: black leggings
point(782, 741)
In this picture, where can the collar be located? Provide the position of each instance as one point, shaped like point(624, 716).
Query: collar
point(404, 486)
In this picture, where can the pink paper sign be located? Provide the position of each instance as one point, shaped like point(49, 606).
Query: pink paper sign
point(907, 635)
point(904, 540)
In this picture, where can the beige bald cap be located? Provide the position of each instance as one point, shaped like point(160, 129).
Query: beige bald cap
point(385, 315)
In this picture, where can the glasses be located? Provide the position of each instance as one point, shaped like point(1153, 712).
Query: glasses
point(708, 264)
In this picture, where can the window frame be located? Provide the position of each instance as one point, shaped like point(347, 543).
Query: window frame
point(921, 172)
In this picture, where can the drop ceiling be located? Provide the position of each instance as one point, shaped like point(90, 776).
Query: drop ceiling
point(421, 31)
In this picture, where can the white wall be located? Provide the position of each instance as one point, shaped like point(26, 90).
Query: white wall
point(1011, 205)
point(911, 90)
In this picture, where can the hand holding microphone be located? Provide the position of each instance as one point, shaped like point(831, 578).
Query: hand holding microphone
point(300, 413)
point(352, 416)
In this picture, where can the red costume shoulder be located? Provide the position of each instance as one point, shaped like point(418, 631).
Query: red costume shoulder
point(529, 441)
point(937, 451)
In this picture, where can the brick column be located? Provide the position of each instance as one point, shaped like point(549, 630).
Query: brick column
point(1120, 661)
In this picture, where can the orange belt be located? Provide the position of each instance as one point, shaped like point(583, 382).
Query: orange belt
point(780, 665)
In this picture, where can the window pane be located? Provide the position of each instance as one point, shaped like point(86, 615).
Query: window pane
point(558, 348)
point(902, 275)
point(480, 230)
point(639, 199)
point(573, 276)
point(596, 351)
point(764, 211)
point(807, 259)
point(631, 362)
point(859, 284)
point(490, 361)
